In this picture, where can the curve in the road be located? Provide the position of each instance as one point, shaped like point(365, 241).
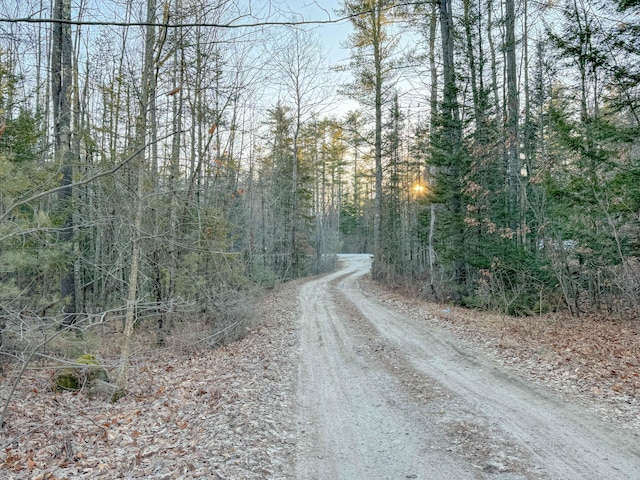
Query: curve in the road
point(355, 423)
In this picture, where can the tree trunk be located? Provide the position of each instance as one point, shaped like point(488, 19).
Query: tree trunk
point(513, 141)
point(141, 136)
point(62, 92)
point(494, 63)
point(471, 58)
point(453, 139)
point(433, 107)
point(377, 214)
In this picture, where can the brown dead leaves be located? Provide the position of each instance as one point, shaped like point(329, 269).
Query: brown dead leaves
point(226, 413)
point(592, 359)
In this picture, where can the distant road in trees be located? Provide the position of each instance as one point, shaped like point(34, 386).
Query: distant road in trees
point(381, 397)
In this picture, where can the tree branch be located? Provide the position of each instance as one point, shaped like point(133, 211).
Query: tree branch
point(286, 23)
point(90, 179)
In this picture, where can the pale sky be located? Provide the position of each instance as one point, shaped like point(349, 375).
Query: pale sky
point(331, 35)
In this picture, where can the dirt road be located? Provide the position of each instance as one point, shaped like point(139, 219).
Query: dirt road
point(384, 397)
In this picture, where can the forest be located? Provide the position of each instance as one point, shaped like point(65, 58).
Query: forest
point(163, 160)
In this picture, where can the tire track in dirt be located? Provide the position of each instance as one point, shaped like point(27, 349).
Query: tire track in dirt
point(353, 421)
point(381, 396)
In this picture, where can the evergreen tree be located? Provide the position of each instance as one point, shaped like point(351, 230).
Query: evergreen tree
point(372, 63)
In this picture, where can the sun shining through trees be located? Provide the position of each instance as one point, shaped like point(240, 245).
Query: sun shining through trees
point(419, 189)
point(164, 162)
point(423, 170)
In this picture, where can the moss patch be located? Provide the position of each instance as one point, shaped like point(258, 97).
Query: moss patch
point(85, 371)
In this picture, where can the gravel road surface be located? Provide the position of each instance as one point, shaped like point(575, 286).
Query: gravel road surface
point(381, 396)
